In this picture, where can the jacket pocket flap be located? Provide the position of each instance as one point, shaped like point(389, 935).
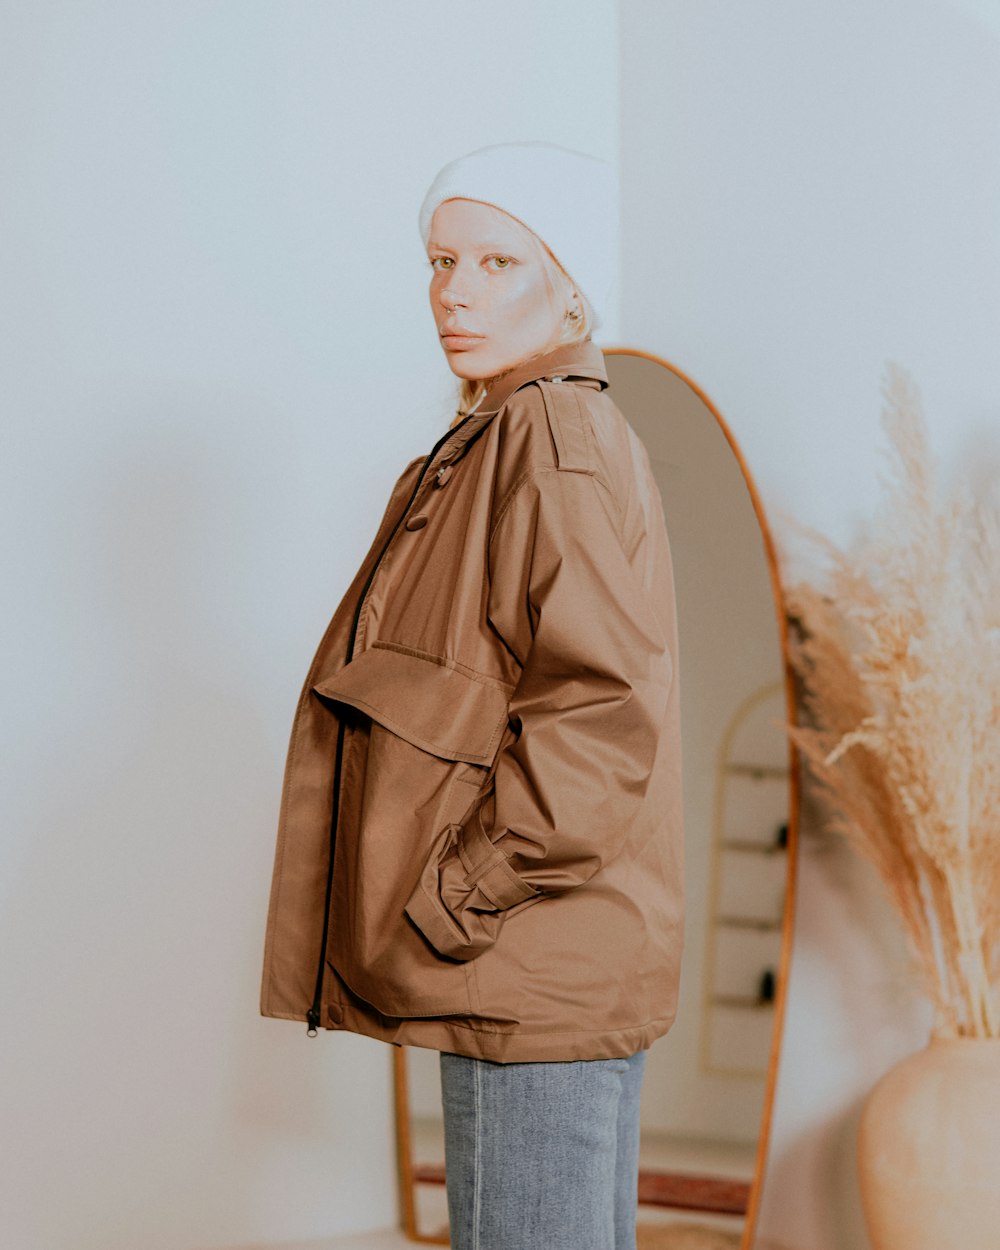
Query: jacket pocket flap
point(441, 709)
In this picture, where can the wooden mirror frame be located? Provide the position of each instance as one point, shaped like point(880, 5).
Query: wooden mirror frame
point(406, 1170)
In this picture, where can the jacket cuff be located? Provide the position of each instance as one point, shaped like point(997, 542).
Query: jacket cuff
point(433, 921)
point(474, 870)
point(487, 867)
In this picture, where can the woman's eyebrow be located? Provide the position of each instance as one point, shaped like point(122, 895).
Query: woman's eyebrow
point(486, 247)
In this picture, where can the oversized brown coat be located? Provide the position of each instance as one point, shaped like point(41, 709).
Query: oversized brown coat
point(494, 707)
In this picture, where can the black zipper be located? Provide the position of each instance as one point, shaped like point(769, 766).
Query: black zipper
point(313, 1014)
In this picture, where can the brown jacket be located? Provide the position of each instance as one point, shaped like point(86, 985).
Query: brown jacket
point(495, 707)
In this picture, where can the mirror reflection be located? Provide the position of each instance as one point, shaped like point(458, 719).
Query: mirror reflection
point(708, 1083)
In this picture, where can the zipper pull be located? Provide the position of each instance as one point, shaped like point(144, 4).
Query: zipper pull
point(312, 1018)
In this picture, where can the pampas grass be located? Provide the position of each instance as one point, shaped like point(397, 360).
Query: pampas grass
point(898, 654)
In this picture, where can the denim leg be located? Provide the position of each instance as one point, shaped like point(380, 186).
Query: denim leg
point(541, 1156)
point(627, 1162)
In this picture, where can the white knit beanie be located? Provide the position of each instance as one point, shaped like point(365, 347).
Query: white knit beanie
point(569, 199)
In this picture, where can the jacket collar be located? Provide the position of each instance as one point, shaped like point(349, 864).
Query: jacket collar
point(567, 360)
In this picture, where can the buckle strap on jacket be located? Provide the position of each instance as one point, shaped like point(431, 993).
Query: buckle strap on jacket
point(568, 424)
point(486, 866)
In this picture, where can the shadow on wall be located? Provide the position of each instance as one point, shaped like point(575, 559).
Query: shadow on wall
point(138, 899)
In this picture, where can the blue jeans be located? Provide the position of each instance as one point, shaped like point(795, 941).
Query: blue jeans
point(542, 1156)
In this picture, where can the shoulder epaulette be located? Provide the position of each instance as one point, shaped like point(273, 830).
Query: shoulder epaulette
point(568, 424)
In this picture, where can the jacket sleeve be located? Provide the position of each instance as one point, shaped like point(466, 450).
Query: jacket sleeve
point(585, 716)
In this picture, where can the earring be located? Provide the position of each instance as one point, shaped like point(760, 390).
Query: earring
point(573, 314)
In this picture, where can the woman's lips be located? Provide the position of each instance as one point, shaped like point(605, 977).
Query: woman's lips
point(460, 342)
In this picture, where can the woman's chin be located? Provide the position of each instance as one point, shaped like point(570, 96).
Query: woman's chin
point(463, 366)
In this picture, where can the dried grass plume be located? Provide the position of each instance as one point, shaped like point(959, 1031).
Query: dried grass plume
point(898, 653)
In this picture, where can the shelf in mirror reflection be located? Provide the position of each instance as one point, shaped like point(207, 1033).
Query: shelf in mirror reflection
point(749, 922)
point(757, 770)
point(756, 848)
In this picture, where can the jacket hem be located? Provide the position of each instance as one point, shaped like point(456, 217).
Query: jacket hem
point(460, 1038)
point(270, 1014)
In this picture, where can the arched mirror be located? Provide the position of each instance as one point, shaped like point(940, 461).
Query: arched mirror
point(710, 1082)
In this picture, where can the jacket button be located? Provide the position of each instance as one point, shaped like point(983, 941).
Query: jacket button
point(416, 522)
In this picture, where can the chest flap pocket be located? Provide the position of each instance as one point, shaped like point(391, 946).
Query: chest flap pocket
point(448, 711)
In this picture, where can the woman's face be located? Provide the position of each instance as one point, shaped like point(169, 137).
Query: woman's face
point(491, 270)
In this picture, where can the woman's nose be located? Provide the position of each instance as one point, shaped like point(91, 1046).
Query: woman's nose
point(450, 298)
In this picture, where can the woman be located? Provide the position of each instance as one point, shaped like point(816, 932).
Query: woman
point(480, 846)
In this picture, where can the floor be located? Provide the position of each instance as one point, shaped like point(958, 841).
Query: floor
point(392, 1240)
point(384, 1239)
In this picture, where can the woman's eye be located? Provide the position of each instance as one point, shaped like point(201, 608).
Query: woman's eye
point(434, 261)
point(503, 262)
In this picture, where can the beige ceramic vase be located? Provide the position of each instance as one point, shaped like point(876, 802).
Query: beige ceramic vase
point(929, 1150)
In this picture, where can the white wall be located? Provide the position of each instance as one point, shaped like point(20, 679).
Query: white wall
point(216, 356)
point(809, 188)
point(211, 293)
